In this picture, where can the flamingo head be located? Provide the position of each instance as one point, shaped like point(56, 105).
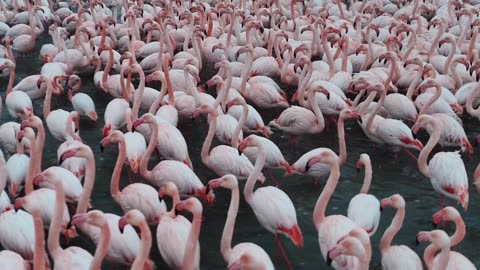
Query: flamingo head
point(446, 214)
point(18, 205)
point(348, 246)
point(169, 189)
point(437, 237)
point(395, 201)
point(228, 181)
point(37, 180)
point(246, 261)
point(327, 157)
point(132, 217)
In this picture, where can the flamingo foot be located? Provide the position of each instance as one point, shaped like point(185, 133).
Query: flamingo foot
point(269, 174)
point(282, 251)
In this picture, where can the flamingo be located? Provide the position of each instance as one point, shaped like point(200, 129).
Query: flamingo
point(364, 208)
point(331, 228)
point(446, 259)
point(136, 218)
point(185, 179)
point(399, 256)
point(173, 228)
point(137, 195)
point(446, 169)
point(223, 159)
point(194, 206)
point(19, 104)
point(233, 256)
point(82, 103)
point(273, 208)
point(350, 246)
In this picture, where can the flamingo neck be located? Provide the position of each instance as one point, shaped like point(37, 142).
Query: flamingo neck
point(443, 257)
point(367, 180)
point(372, 115)
point(241, 123)
point(192, 242)
point(304, 84)
point(416, 82)
point(205, 154)
point(435, 42)
point(88, 184)
point(245, 73)
point(324, 198)
point(117, 171)
point(455, 76)
point(32, 168)
point(102, 248)
point(158, 100)
point(427, 149)
point(227, 235)
point(435, 97)
point(146, 238)
point(328, 54)
point(53, 241)
point(147, 174)
point(318, 113)
point(252, 178)
point(139, 93)
point(392, 230)
point(48, 99)
point(11, 79)
point(342, 146)
point(39, 252)
point(469, 105)
point(448, 61)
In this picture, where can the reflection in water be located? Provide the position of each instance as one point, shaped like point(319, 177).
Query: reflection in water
point(390, 176)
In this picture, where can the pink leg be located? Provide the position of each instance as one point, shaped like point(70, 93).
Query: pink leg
point(129, 170)
point(292, 140)
point(269, 174)
point(284, 254)
point(315, 182)
point(410, 154)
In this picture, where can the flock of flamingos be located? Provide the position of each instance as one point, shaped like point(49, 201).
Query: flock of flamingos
point(394, 67)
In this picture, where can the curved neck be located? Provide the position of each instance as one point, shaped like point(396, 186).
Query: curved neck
point(395, 226)
point(102, 248)
point(429, 257)
point(305, 80)
point(456, 78)
point(158, 100)
point(53, 241)
point(192, 242)
point(108, 67)
point(241, 123)
point(368, 177)
point(446, 66)
point(245, 73)
point(328, 54)
point(88, 185)
point(469, 104)
point(427, 149)
point(117, 171)
point(436, 40)
point(252, 178)
point(318, 113)
point(286, 62)
point(460, 232)
point(322, 202)
point(372, 115)
point(146, 238)
point(227, 235)
point(416, 82)
point(208, 140)
point(435, 97)
point(151, 147)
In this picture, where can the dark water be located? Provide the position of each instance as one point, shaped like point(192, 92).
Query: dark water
point(390, 176)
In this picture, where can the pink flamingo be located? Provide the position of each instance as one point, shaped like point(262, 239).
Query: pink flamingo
point(399, 256)
point(169, 170)
point(5, 203)
point(124, 246)
point(25, 43)
point(273, 208)
point(19, 104)
point(298, 120)
point(350, 246)
point(451, 214)
point(223, 159)
point(234, 255)
point(17, 167)
point(364, 208)
point(173, 228)
point(254, 122)
point(318, 170)
point(446, 259)
point(193, 206)
point(136, 218)
point(332, 228)
point(81, 102)
point(13, 261)
point(137, 195)
point(446, 169)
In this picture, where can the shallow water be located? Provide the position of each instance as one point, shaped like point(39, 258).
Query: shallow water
point(390, 176)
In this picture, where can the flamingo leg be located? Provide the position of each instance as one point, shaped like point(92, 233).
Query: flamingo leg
point(410, 154)
point(292, 140)
point(282, 251)
point(269, 174)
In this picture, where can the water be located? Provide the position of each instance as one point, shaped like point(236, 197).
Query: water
point(390, 176)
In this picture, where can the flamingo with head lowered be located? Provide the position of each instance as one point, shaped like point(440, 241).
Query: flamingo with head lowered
point(273, 208)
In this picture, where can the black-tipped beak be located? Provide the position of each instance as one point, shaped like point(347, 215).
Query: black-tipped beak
point(307, 167)
point(329, 261)
point(417, 242)
point(207, 190)
point(120, 227)
point(102, 148)
point(60, 161)
point(434, 225)
point(381, 208)
point(239, 152)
